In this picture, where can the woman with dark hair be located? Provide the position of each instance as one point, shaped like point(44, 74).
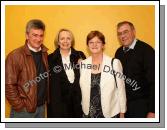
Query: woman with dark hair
point(65, 94)
point(103, 93)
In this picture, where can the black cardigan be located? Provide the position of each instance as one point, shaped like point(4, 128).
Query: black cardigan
point(65, 97)
point(139, 65)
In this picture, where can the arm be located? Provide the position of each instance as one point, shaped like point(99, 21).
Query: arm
point(149, 67)
point(150, 115)
point(121, 86)
point(12, 71)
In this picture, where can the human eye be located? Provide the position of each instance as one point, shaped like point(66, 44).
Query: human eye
point(119, 33)
point(61, 38)
point(90, 42)
point(35, 35)
point(68, 38)
point(99, 42)
point(126, 32)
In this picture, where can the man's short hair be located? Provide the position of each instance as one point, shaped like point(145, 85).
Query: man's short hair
point(35, 24)
point(125, 22)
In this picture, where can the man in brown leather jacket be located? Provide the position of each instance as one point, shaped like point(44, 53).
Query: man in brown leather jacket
point(26, 74)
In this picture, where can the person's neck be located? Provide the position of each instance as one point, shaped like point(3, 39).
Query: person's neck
point(97, 58)
point(33, 49)
point(97, 61)
point(64, 53)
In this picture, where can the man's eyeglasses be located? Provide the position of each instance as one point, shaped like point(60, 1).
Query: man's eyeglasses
point(123, 33)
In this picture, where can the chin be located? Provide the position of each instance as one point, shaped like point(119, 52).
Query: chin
point(95, 52)
point(37, 47)
point(66, 48)
point(125, 44)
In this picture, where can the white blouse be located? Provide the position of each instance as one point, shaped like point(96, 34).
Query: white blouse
point(66, 64)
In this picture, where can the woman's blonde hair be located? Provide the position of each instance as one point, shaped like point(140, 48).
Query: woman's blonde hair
point(56, 41)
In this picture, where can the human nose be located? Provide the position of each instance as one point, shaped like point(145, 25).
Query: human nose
point(66, 40)
point(39, 37)
point(94, 44)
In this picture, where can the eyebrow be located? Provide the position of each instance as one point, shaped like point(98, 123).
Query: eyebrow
point(124, 30)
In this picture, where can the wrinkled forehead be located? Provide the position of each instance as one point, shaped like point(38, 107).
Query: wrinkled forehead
point(36, 31)
point(95, 38)
point(124, 27)
point(65, 33)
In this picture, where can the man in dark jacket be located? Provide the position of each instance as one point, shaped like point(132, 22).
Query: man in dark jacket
point(138, 61)
point(26, 76)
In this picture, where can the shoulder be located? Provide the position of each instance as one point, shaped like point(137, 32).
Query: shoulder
point(78, 53)
point(143, 45)
point(113, 62)
point(16, 53)
point(87, 60)
point(110, 60)
point(54, 55)
point(117, 64)
point(15, 57)
point(116, 61)
point(119, 50)
point(144, 49)
point(51, 55)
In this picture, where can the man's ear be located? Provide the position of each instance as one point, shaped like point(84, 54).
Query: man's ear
point(26, 35)
point(134, 31)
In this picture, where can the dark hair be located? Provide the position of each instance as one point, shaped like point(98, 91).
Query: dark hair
point(125, 22)
point(36, 24)
point(93, 34)
point(56, 40)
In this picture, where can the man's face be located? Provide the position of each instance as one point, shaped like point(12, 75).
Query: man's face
point(126, 35)
point(35, 38)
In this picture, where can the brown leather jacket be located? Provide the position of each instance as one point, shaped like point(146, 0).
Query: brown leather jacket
point(19, 70)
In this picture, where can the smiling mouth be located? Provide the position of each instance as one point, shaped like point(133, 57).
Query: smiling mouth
point(66, 45)
point(124, 40)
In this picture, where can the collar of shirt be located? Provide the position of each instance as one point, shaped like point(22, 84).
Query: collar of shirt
point(69, 71)
point(132, 45)
point(32, 49)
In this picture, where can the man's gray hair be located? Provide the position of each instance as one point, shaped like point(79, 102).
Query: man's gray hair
point(125, 22)
point(35, 24)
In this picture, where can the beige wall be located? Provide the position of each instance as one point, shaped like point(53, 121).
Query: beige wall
point(80, 20)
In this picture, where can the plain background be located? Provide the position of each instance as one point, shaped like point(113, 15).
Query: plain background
point(80, 20)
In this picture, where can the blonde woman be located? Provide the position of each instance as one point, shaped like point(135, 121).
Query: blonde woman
point(65, 94)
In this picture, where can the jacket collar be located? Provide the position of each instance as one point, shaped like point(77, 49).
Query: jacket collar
point(57, 55)
point(27, 50)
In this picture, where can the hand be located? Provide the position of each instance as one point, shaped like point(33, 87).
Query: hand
point(150, 115)
point(121, 115)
